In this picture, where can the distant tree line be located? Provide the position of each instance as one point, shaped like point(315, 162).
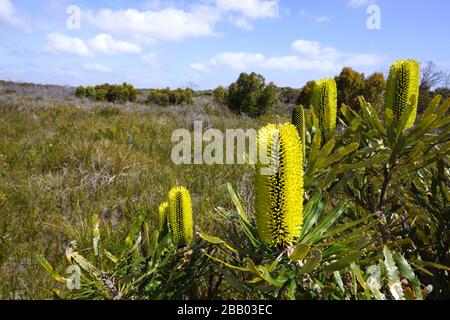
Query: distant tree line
point(165, 97)
point(107, 92)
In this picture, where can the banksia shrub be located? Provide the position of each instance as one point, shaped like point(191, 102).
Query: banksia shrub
point(162, 216)
point(324, 102)
point(180, 216)
point(298, 120)
point(403, 88)
point(279, 191)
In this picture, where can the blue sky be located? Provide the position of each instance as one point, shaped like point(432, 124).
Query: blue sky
point(206, 43)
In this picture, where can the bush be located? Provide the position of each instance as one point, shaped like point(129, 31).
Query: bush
point(106, 92)
point(250, 95)
point(165, 97)
point(220, 95)
point(80, 92)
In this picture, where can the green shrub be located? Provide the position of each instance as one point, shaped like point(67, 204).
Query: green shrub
point(250, 95)
point(90, 92)
point(220, 95)
point(80, 92)
point(165, 97)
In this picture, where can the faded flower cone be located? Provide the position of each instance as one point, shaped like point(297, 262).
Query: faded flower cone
point(403, 88)
point(279, 191)
point(180, 216)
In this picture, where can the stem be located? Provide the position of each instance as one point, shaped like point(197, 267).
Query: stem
point(381, 212)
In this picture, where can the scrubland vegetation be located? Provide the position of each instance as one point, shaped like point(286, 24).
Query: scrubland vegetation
point(357, 208)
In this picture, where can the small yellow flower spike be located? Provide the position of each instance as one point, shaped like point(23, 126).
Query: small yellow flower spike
point(403, 88)
point(180, 216)
point(298, 120)
point(279, 196)
point(163, 211)
point(324, 102)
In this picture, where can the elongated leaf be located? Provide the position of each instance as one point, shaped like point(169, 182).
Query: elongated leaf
point(300, 252)
point(311, 212)
point(343, 262)
point(323, 225)
point(407, 272)
point(311, 263)
point(374, 282)
point(395, 286)
point(47, 266)
point(215, 240)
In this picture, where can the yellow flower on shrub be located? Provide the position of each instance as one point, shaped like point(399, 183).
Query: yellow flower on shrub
point(279, 195)
point(403, 88)
point(324, 102)
point(180, 216)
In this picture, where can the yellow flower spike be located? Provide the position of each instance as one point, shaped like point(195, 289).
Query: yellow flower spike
point(403, 88)
point(324, 102)
point(279, 195)
point(298, 120)
point(180, 216)
point(162, 217)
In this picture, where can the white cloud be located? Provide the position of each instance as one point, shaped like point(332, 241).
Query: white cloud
point(200, 67)
point(96, 67)
point(312, 56)
point(150, 59)
point(59, 43)
point(105, 43)
point(10, 16)
point(322, 19)
point(253, 9)
point(241, 22)
point(168, 24)
point(359, 3)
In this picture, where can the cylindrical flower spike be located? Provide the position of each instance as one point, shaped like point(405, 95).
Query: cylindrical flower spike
point(180, 216)
point(403, 88)
point(298, 120)
point(279, 191)
point(324, 102)
point(163, 211)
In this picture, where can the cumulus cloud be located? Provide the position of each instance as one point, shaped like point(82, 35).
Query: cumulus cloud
point(253, 9)
point(59, 43)
point(312, 56)
point(10, 16)
point(105, 43)
point(170, 24)
point(96, 67)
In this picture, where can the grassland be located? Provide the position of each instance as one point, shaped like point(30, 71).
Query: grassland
point(63, 159)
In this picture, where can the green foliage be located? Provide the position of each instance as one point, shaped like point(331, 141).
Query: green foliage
point(220, 95)
point(304, 97)
point(250, 95)
point(165, 97)
point(80, 92)
point(106, 92)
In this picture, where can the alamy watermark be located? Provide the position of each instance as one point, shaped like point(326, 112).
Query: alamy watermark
point(374, 19)
point(235, 146)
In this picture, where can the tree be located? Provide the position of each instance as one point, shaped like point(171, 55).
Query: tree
point(304, 97)
point(350, 85)
point(431, 77)
point(80, 92)
point(374, 87)
point(220, 95)
point(250, 95)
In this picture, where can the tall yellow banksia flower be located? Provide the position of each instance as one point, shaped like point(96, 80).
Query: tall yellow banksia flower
point(298, 120)
point(279, 191)
point(163, 212)
point(180, 216)
point(324, 102)
point(403, 88)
